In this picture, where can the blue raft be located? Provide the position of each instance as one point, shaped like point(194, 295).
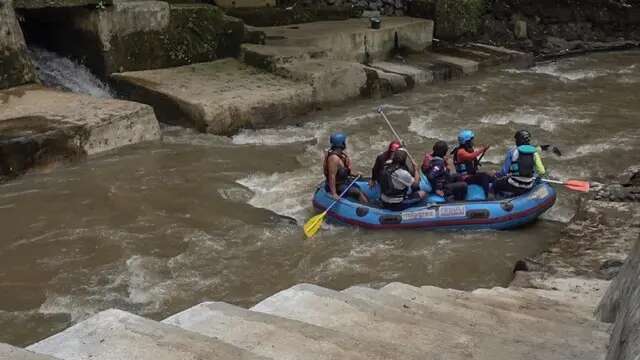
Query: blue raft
point(434, 213)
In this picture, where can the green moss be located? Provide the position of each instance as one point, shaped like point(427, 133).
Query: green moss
point(457, 18)
point(15, 68)
point(196, 33)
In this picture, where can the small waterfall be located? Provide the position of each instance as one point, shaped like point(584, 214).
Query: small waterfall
point(60, 72)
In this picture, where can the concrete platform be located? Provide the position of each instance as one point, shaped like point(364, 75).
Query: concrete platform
point(118, 335)
point(219, 97)
point(516, 335)
point(280, 338)
point(352, 39)
point(341, 312)
point(38, 125)
point(8, 352)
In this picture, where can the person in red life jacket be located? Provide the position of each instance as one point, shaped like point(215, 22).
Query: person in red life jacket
point(383, 158)
point(522, 166)
point(436, 167)
point(337, 169)
point(466, 159)
point(399, 188)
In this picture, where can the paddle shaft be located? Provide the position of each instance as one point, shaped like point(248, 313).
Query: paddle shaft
point(396, 134)
point(342, 194)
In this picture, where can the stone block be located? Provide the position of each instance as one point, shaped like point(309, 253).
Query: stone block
point(40, 125)
point(139, 35)
point(8, 352)
point(219, 97)
point(15, 66)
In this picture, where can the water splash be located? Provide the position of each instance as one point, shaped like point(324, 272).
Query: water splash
point(60, 72)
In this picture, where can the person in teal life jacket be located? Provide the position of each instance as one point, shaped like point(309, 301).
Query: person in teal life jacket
point(522, 165)
point(337, 169)
point(466, 160)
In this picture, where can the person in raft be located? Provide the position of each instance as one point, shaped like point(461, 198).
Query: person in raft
point(400, 189)
point(383, 158)
point(337, 169)
point(466, 160)
point(522, 165)
point(436, 167)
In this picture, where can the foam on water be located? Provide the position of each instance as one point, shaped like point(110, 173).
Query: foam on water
point(57, 71)
point(561, 71)
point(424, 126)
point(288, 135)
point(534, 117)
point(285, 194)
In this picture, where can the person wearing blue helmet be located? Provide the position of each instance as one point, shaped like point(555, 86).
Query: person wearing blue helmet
point(337, 169)
point(466, 160)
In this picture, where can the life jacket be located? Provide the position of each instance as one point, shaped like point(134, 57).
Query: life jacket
point(342, 175)
point(522, 172)
point(390, 193)
point(467, 167)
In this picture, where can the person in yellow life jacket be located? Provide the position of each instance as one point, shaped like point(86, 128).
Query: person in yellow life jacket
point(337, 169)
point(522, 166)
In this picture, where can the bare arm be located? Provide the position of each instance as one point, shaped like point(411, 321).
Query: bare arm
point(332, 169)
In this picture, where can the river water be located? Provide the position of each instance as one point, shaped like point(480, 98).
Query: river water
point(156, 228)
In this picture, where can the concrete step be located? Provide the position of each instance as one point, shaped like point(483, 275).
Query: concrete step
point(280, 338)
point(462, 66)
point(341, 312)
point(504, 55)
point(8, 352)
point(115, 334)
point(346, 313)
point(269, 57)
point(507, 331)
point(531, 310)
point(332, 81)
point(417, 75)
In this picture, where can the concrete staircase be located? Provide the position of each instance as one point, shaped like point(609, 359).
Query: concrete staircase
point(306, 321)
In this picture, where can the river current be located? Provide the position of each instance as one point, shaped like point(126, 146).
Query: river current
point(159, 227)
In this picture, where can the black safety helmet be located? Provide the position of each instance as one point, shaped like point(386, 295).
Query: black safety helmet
point(523, 137)
point(440, 148)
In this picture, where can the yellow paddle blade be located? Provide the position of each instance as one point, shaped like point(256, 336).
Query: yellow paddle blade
point(313, 225)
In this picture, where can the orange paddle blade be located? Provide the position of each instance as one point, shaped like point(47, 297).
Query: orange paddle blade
point(577, 185)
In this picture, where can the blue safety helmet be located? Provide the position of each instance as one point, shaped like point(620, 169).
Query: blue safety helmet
point(338, 140)
point(464, 136)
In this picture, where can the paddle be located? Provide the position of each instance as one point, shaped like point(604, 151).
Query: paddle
point(576, 185)
point(381, 111)
point(312, 226)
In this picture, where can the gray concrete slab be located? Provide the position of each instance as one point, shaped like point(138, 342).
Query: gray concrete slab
point(532, 309)
point(219, 97)
point(280, 338)
point(516, 336)
point(418, 75)
point(118, 335)
point(337, 311)
point(350, 39)
point(465, 66)
point(8, 352)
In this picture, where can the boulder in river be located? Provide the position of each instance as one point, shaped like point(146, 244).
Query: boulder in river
point(15, 66)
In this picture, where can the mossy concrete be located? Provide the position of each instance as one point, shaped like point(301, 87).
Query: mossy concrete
point(138, 35)
point(15, 65)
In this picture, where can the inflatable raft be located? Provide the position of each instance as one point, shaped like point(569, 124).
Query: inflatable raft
point(475, 213)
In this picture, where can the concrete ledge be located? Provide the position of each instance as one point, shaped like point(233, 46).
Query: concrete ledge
point(219, 97)
point(115, 334)
point(269, 57)
point(464, 66)
point(416, 74)
point(353, 39)
point(8, 352)
point(39, 125)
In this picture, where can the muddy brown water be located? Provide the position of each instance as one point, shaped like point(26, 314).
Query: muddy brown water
point(156, 228)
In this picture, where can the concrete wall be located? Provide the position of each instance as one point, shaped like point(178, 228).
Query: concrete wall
point(15, 66)
point(136, 35)
point(621, 305)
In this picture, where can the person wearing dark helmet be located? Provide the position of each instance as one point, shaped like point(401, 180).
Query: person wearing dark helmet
point(383, 158)
point(399, 188)
point(522, 165)
point(337, 169)
point(466, 160)
point(436, 167)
